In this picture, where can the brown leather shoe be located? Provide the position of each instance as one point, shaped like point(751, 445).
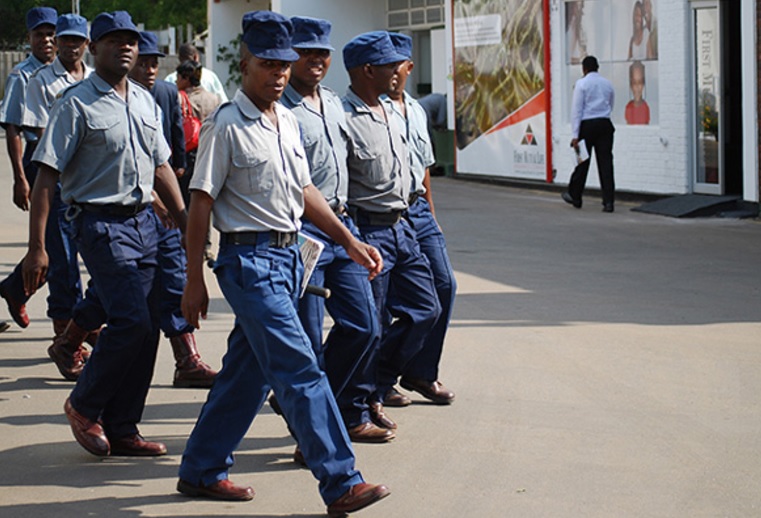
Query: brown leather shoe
point(379, 417)
point(135, 446)
point(368, 432)
point(358, 497)
point(190, 371)
point(222, 490)
point(89, 434)
point(298, 458)
point(16, 309)
point(396, 399)
point(70, 363)
point(432, 390)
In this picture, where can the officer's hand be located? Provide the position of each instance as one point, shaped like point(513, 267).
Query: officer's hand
point(21, 192)
point(195, 301)
point(34, 270)
point(163, 213)
point(367, 256)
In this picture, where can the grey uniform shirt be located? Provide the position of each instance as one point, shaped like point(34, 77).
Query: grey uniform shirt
point(379, 165)
point(415, 128)
point(255, 172)
point(106, 148)
point(12, 107)
point(44, 86)
point(324, 136)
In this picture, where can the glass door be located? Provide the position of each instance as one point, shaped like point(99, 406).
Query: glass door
point(708, 163)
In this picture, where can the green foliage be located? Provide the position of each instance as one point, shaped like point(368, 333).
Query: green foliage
point(230, 54)
point(154, 14)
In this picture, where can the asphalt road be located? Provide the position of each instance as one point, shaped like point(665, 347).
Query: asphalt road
point(605, 365)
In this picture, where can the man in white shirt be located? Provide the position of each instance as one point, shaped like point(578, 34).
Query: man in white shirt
point(209, 80)
point(592, 105)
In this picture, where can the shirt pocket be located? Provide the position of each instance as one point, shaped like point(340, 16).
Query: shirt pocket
point(150, 130)
point(107, 133)
point(252, 173)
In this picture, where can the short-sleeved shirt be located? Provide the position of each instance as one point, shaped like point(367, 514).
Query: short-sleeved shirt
point(106, 148)
point(379, 164)
point(254, 171)
point(415, 128)
point(44, 86)
point(324, 136)
point(12, 107)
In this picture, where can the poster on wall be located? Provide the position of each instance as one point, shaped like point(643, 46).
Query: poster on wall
point(500, 102)
point(623, 36)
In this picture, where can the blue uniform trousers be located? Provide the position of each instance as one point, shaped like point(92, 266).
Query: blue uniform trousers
point(89, 313)
point(64, 283)
point(120, 254)
point(349, 353)
point(268, 348)
point(405, 290)
point(425, 365)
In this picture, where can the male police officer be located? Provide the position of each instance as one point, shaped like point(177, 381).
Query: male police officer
point(353, 341)
point(45, 84)
point(379, 185)
point(421, 373)
point(104, 140)
point(252, 171)
point(40, 22)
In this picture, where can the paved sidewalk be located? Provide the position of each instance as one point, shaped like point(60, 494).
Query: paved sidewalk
point(606, 365)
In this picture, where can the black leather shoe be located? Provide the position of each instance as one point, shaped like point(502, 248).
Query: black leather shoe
point(222, 490)
point(432, 390)
point(569, 199)
point(298, 458)
point(608, 207)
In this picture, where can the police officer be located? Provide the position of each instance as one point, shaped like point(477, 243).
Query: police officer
point(40, 22)
point(251, 170)
point(379, 188)
point(45, 84)
point(353, 341)
point(421, 373)
point(104, 141)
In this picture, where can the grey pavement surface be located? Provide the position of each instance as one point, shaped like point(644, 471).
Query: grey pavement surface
point(606, 365)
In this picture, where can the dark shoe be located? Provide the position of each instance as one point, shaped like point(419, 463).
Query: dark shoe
point(4, 326)
point(272, 400)
point(298, 458)
point(396, 399)
point(16, 309)
point(607, 207)
point(358, 497)
point(569, 199)
point(368, 432)
point(89, 434)
point(432, 390)
point(379, 417)
point(222, 490)
point(190, 371)
point(136, 446)
point(67, 351)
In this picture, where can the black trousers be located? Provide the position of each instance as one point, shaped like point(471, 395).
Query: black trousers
point(598, 136)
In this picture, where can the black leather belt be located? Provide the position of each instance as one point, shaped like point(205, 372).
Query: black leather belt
point(113, 209)
point(276, 239)
point(381, 219)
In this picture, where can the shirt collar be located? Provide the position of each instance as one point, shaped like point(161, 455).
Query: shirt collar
point(247, 108)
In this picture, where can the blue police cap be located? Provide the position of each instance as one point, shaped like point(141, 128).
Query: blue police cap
point(36, 16)
point(311, 33)
point(371, 48)
point(148, 45)
point(402, 43)
point(71, 25)
point(268, 35)
point(105, 23)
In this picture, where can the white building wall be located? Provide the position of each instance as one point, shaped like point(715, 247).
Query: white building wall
point(652, 159)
